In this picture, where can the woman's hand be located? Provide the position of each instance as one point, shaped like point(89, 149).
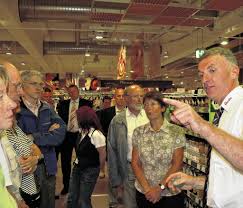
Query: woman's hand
point(153, 194)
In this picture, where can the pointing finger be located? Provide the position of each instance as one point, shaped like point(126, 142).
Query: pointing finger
point(175, 103)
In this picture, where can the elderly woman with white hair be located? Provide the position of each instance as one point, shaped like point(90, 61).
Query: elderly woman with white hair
point(6, 121)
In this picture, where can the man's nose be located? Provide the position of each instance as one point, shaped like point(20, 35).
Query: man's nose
point(205, 78)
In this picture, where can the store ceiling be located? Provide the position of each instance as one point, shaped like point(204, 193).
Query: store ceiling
point(52, 36)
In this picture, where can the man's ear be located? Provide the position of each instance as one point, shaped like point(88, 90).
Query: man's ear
point(235, 71)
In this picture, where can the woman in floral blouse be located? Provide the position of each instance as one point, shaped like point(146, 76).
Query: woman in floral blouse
point(158, 148)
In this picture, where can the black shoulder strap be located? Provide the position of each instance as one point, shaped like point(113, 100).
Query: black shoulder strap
point(93, 132)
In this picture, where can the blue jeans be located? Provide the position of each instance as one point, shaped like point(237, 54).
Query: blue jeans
point(81, 186)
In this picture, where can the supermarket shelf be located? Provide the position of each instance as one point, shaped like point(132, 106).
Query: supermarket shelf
point(192, 163)
point(192, 136)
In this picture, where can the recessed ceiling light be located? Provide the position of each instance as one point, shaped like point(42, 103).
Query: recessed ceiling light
point(99, 37)
point(166, 56)
point(8, 53)
point(132, 71)
point(195, 80)
point(22, 63)
point(224, 42)
point(181, 83)
point(173, 84)
point(166, 77)
point(87, 54)
point(182, 72)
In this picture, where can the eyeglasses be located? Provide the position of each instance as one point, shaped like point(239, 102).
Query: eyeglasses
point(36, 84)
point(17, 86)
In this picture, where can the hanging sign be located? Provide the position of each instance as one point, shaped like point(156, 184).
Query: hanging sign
point(121, 65)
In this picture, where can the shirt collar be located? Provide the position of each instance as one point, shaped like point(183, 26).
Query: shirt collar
point(30, 105)
point(231, 97)
point(129, 113)
point(118, 110)
point(75, 101)
point(164, 127)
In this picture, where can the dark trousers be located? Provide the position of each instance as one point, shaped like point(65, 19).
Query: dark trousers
point(66, 149)
point(47, 187)
point(81, 187)
point(33, 201)
point(176, 201)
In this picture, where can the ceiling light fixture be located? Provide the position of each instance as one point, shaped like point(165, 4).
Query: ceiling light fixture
point(8, 53)
point(99, 37)
point(22, 63)
point(166, 54)
point(224, 42)
point(87, 54)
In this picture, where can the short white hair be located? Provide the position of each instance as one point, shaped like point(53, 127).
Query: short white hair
point(27, 74)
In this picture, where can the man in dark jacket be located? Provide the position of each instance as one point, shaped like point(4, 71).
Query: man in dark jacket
point(67, 111)
point(47, 130)
point(107, 114)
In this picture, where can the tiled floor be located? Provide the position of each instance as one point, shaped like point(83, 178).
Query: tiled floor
point(99, 197)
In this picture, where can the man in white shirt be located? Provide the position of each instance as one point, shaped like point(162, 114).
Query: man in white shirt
point(219, 72)
point(120, 144)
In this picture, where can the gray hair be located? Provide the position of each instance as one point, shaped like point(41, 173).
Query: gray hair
point(3, 76)
point(225, 52)
point(27, 74)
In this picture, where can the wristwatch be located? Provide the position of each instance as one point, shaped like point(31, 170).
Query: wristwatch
point(162, 186)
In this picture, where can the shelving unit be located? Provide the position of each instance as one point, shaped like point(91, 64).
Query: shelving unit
point(195, 159)
point(194, 164)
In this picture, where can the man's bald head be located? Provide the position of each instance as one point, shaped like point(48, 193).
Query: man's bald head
point(134, 98)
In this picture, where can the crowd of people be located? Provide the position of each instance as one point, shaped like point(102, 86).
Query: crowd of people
point(142, 149)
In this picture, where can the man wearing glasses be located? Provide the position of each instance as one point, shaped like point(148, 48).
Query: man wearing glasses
point(40, 122)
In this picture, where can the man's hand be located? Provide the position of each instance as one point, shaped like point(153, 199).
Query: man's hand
point(21, 204)
point(185, 115)
point(28, 164)
point(177, 182)
point(54, 126)
point(35, 150)
point(153, 194)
